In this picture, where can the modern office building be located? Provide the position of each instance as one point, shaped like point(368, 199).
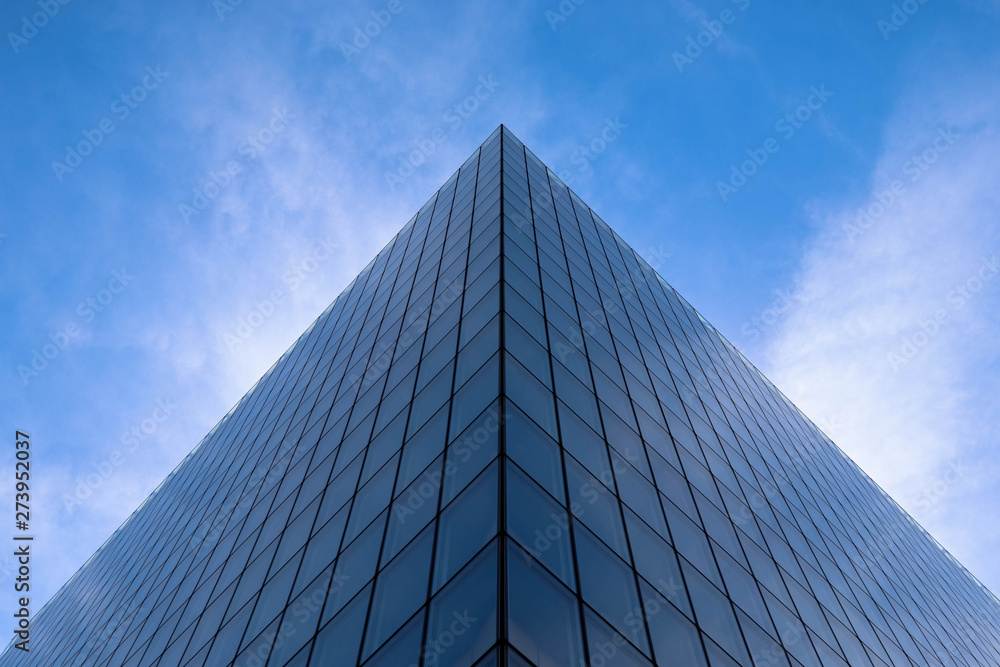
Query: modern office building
point(510, 442)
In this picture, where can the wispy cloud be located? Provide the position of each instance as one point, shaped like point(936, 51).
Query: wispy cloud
point(892, 334)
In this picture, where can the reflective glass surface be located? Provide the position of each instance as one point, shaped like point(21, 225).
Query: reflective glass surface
point(510, 442)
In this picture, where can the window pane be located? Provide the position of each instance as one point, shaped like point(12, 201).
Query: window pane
point(714, 614)
point(539, 524)
point(402, 649)
point(530, 395)
point(691, 542)
point(594, 505)
point(466, 526)
point(383, 446)
point(527, 350)
point(609, 648)
point(608, 585)
point(489, 661)
point(532, 449)
point(423, 448)
point(338, 643)
point(356, 566)
point(401, 589)
point(544, 619)
point(471, 452)
point(656, 561)
point(475, 395)
point(587, 446)
point(371, 499)
point(463, 616)
point(675, 639)
point(410, 512)
point(575, 393)
point(638, 493)
point(474, 355)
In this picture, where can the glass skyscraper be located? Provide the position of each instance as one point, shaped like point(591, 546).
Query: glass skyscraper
point(510, 442)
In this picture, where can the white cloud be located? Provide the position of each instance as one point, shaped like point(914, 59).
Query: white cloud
point(881, 339)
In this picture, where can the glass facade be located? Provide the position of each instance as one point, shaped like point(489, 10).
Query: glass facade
point(510, 442)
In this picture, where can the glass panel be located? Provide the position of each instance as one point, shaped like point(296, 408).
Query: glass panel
point(714, 614)
point(576, 394)
point(539, 524)
point(339, 490)
point(544, 619)
point(638, 493)
point(608, 647)
point(475, 395)
point(530, 395)
point(410, 512)
point(371, 500)
point(608, 585)
point(401, 589)
point(474, 355)
point(656, 561)
point(356, 566)
point(466, 525)
point(338, 643)
point(471, 452)
point(383, 446)
point(743, 590)
point(422, 448)
point(594, 505)
point(587, 446)
point(675, 638)
point(403, 648)
point(463, 616)
point(691, 542)
point(532, 449)
point(489, 661)
point(527, 350)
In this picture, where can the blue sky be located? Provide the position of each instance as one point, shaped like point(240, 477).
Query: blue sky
point(187, 185)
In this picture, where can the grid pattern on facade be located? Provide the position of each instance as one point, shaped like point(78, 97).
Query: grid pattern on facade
point(509, 441)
